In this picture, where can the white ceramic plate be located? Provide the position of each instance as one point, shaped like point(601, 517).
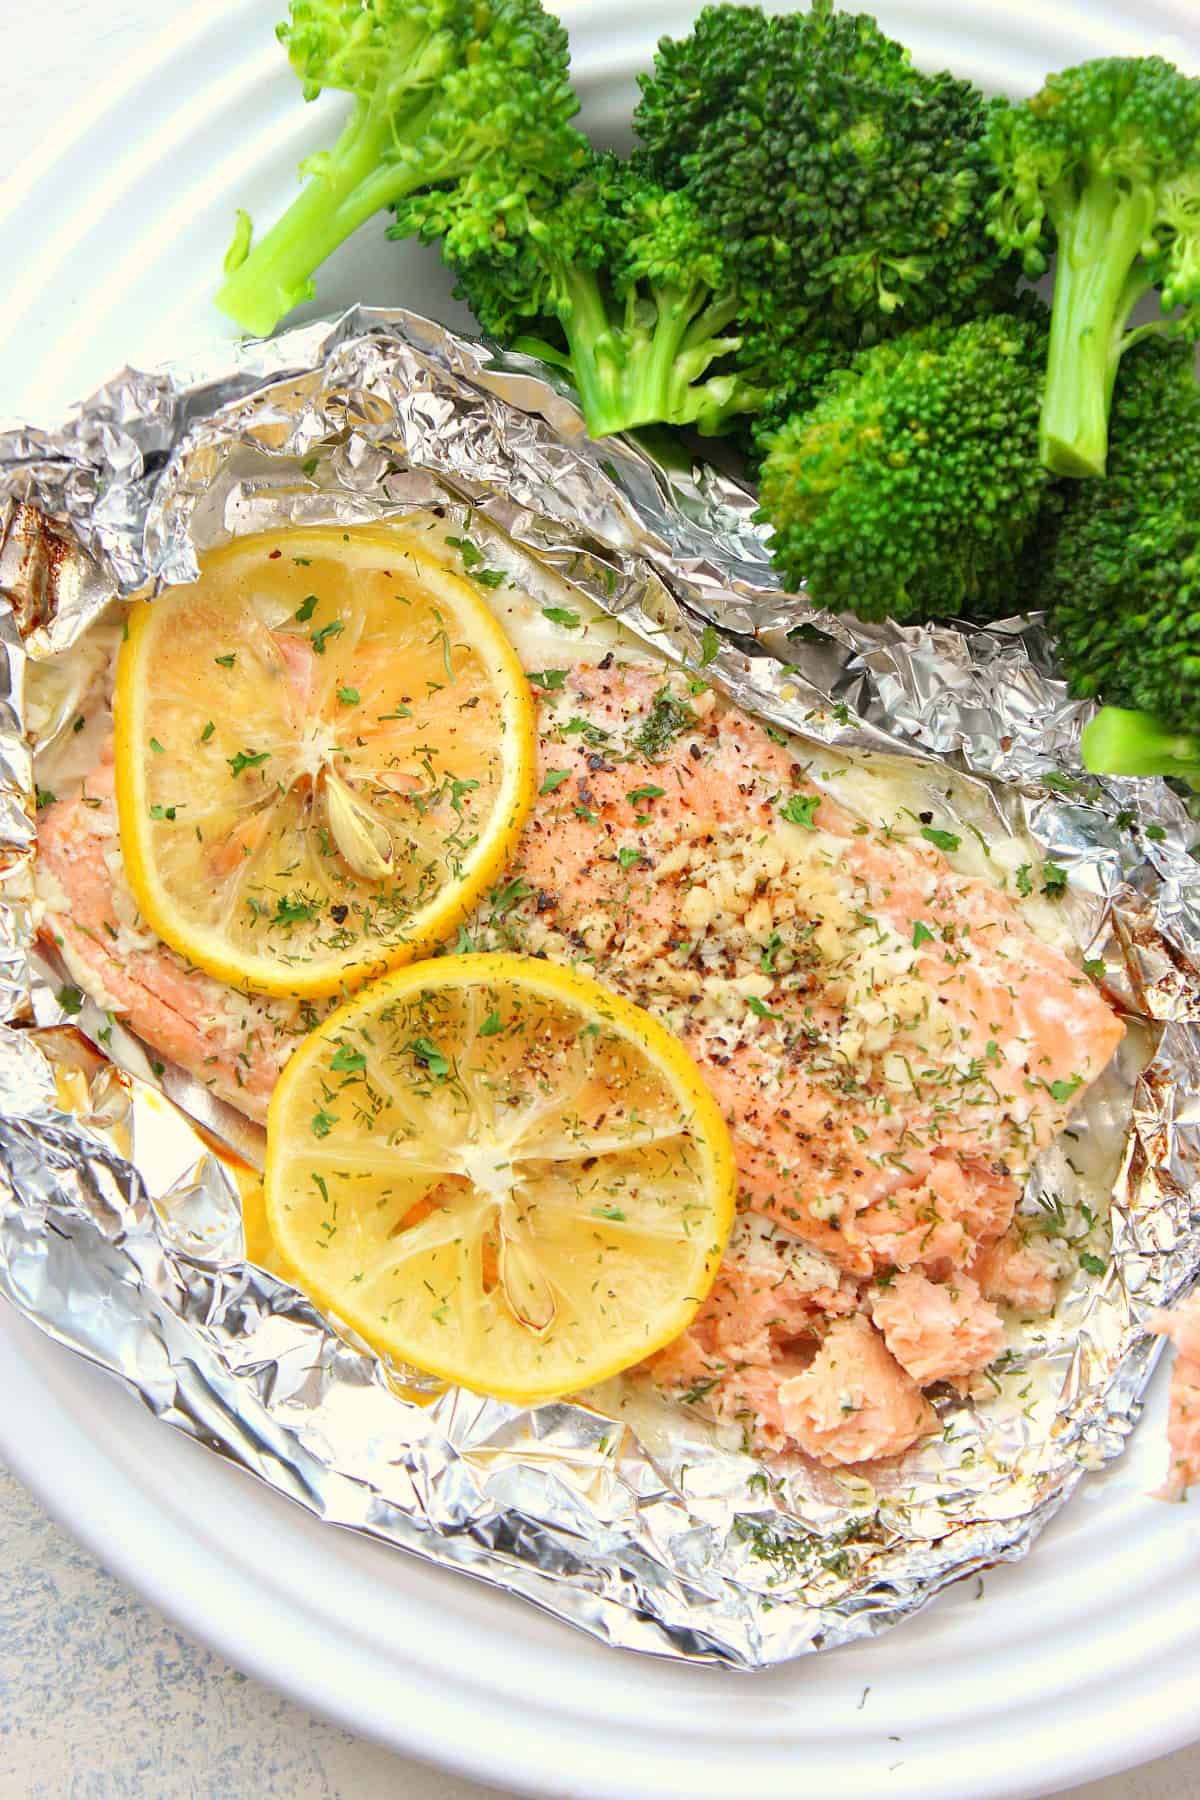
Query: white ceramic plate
point(1075, 1663)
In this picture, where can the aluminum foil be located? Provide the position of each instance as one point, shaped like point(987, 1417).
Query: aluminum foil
point(121, 1228)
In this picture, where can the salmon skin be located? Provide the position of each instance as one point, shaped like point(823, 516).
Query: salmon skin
point(890, 1043)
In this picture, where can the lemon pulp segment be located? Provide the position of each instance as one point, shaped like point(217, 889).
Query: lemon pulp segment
point(497, 1170)
point(324, 753)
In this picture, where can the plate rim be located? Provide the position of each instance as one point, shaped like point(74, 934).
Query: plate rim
point(114, 1540)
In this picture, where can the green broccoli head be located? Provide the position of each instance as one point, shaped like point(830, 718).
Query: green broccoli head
point(603, 271)
point(1122, 582)
point(845, 184)
point(910, 489)
point(1103, 163)
point(442, 89)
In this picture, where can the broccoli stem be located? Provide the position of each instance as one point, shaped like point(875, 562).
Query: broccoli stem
point(350, 183)
point(645, 370)
point(1101, 232)
point(1119, 741)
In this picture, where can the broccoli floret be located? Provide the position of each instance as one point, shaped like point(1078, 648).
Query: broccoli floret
point(1122, 580)
point(1104, 162)
point(440, 87)
point(609, 275)
point(846, 185)
point(791, 371)
point(912, 486)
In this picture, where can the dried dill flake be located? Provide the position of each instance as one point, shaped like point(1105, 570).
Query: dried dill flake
point(668, 716)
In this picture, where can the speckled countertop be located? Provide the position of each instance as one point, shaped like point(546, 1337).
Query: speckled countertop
point(102, 1699)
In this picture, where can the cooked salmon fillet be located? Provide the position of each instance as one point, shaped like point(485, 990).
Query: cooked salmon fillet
point(890, 1043)
point(1182, 1326)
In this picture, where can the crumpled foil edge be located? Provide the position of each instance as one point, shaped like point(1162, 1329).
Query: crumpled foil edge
point(120, 1228)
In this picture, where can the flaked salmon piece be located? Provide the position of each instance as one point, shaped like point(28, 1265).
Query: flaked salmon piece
point(937, 1331)
point(854, 1403)
point(1182, 1325)
point(889, 1042)
point(1021, 1271)
point(236, 1044)
point(762, 1321)
point(938, 1219)
point(749, 1335)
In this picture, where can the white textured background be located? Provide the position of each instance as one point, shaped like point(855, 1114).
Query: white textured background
point(100, 1698)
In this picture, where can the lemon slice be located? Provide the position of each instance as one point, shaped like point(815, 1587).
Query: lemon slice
point(500, 1172)
point(324, 753)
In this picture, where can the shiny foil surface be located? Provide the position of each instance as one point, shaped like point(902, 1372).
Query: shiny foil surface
point(120, 1193)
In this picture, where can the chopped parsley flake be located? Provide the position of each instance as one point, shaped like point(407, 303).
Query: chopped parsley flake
point(1092, 1264)
point(510, 895)
point(471, 554)
point(70, 999)
point(799, 810)
point(347, 1061)
point(349, 696)
point(1024, 881)
point(323, 1123)
point(561, 615)
point(226, 662)
point(554, 778)
point(491, 1025)
point(948, 841)
point(921, 935)
point(430, 1057)
point(247, 759)
point(1054, 880)
point(595, 735)
point(649, 792)
point(760, 1009)
point(609, 1212)
point(292, 912)
point(156, 747)
point(627, 856)
point(306, 609)
point(549, 679)
point(320, 638)
point(207, 732)
point(710, 645)
point(45, 797)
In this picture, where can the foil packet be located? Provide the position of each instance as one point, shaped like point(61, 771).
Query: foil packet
point(121, 1225)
